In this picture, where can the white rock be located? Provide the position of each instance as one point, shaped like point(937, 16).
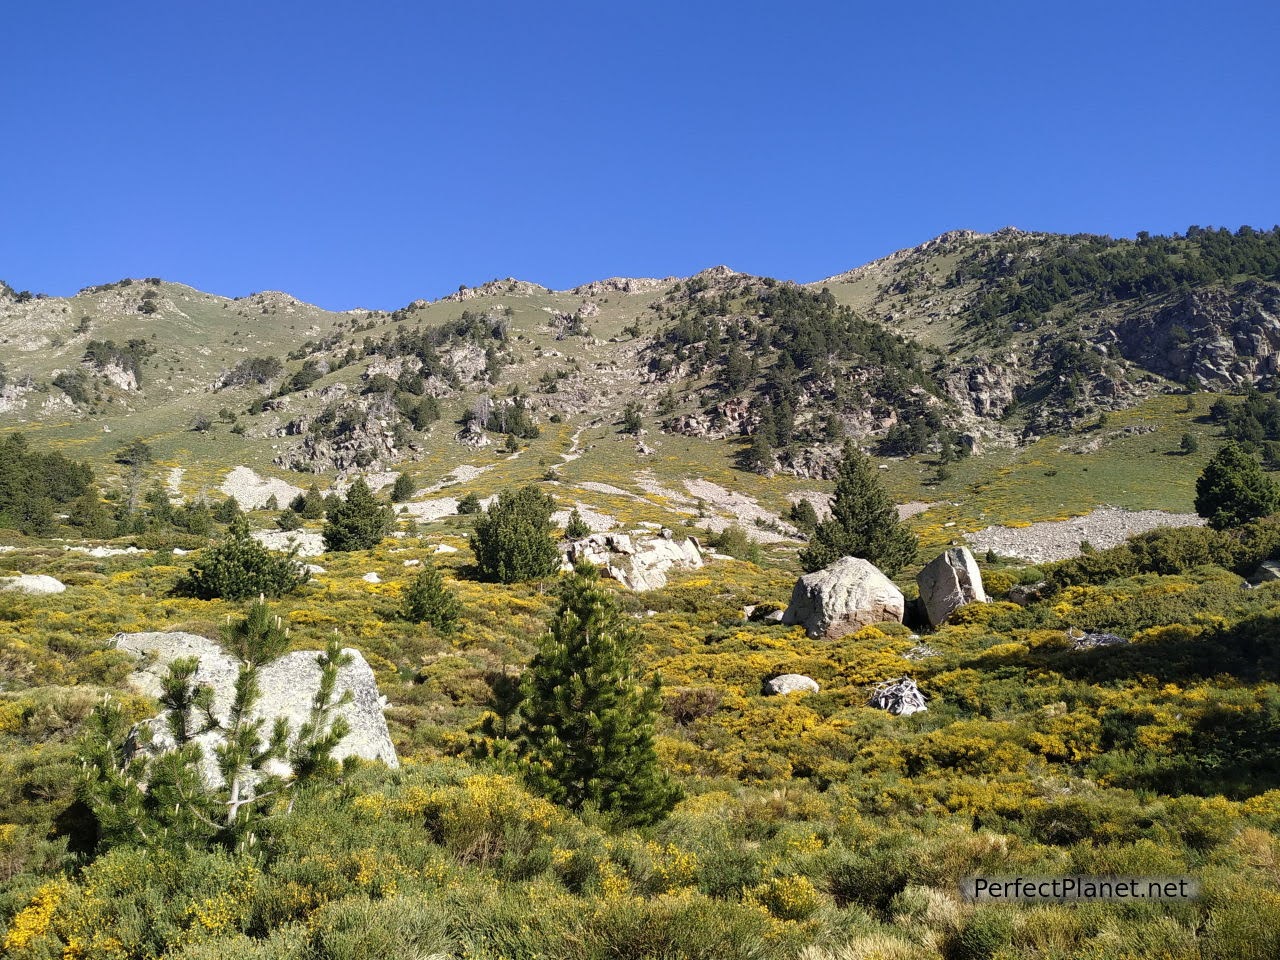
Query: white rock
point(791, 683)
point(445, 548)
point(371, 577)
point(288, 686)
point(34, 583)
point(949, 581)
point(637, 564)
point(315, 568)
point(309, 543)
point(413, 563)
point(844, 597)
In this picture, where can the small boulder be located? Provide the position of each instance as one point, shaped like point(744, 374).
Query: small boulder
point(1080, 640)
point(842, 598)
point(34, 583)
point(901, 697)
point(948, 582)
point(1024, 594)
point(371, 577)
point(790, 683)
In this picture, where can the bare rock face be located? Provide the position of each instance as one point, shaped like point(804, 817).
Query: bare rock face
point(637, 564)
point(948, 582)
point(790, 683)
point(288, 687)
point(35, 583)
point(844, 597)
point(1211, 337)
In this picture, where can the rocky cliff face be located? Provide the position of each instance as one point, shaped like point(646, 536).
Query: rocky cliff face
point(1211, 338)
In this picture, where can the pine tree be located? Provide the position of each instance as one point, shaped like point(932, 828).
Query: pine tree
point(513, 538)
point(1232, 489)
point(586, 736)
point(358, 522)
point(90, 514)
point(429, 600)
point(240, 568)
point(309, 505)
point(864, 522)
point(576, 528)
point(403, 488)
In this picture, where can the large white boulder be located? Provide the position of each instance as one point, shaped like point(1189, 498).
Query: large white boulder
point(948, 582)
point(790, 683)
point(288, 686)
point(639, 564)
point(842, 598)
point(37, 583)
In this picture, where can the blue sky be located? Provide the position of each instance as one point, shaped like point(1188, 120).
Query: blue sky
point(367, 154)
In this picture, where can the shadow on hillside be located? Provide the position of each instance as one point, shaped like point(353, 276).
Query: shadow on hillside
point(1232, 750)
point(1248, 651)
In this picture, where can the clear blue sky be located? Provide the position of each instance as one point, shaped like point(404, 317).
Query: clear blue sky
point(372, 153)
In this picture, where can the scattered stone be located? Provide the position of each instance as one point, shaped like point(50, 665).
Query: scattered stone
point(288, 686)
point(1026, 593)
point(371, 577)
point(948, 582)
point(844, 597)
point(1080, 640)
point(790, 683)
point(33, 583)
point(921, 651)
point(444, 548)
point(100, 552)
point(309, 543)
point(900, 697)
point(637, 564)
point(315, 568)
point(413, 563)
point(253, 492)
point(1060, 539)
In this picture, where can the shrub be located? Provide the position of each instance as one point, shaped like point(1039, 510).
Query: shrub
point(240, 568)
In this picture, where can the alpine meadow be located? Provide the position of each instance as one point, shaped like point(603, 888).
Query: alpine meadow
point(714, 617)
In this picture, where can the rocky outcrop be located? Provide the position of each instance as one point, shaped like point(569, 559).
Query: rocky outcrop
point(638, 564)
point(1211, 338)
point(288, 686)
point(844, 597)
point(982, 388)
point(790, 683)
point(33, 583)
point(729, 418)
point(948, 582)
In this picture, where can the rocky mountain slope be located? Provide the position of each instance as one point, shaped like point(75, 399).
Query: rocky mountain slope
point(965, 342)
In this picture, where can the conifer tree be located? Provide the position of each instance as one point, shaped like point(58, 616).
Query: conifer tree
point(586, 736)
point(863, 523)
point(403, 488)
point(576, 528)
point(1233, 489)
point(512, 539)
point(240, 568)
point(309, 505)
point(358, 522)
point(429, 600)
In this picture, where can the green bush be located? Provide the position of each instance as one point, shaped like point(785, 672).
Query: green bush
point(240, 568)
point(358, 522)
